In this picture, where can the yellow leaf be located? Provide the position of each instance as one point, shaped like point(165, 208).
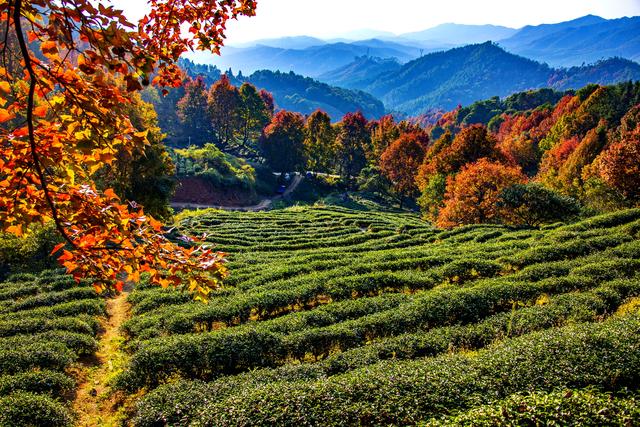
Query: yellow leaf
point(134, 277)
point(94, 168)
point(72, 175)
point(5, 87)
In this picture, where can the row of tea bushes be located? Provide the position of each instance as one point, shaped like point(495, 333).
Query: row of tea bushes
point(47, 322)
point(382, 290)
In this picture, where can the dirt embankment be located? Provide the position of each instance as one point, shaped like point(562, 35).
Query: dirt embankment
point(196, 190)
point(260, 206)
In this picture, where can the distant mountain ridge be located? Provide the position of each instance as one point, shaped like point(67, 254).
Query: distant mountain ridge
point(587, 39)
point(461, 34)
point(305, 95)
point(564, 44)
point(311, 61)
point(361, 72)
point(466, 74)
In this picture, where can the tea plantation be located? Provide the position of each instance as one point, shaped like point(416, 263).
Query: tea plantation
point(335, 316)
point(47, 323)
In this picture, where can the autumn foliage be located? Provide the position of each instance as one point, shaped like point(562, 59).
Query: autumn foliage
point(63, 117)
point(473, 194)
point(282, 142)
point(619, 164)
point(401, 161)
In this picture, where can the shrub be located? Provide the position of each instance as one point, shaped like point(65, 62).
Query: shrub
point(581, 407)
point(533, 205)
point(46, 355)
point(45, 381)
point(27, 409)
point(603, 355)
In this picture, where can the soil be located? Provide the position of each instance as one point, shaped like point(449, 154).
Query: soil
point(199, 191)
point(262, 205)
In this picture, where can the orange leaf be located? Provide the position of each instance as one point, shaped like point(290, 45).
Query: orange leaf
point(57, 248)
point(66, 255)
point(49, 47)
point(40, 111)
point(15, 229)
point(5, 115)
point(5, 87)
point(110, 193)
point(23, 131)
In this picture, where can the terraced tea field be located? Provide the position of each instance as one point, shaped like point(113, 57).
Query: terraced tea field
point(47, 324)
point(342, 317)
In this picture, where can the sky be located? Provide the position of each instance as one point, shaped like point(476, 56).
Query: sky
point(335, 18)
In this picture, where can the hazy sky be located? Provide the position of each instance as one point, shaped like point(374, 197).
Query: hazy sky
point(330, 18)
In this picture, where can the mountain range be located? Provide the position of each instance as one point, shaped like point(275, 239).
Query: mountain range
point(466, 74)
point(440, 80)
point(586, 39)
point(414, 72)
point(565, 44)
point(310, 61)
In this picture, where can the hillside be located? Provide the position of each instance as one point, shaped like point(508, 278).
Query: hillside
point(361, 72)
point(584, 40)
point(464, 75)
point(311, 61)
point(392, 321)
point(294, 92)
point(457, 76)
point(604, 72)
point(305, 95)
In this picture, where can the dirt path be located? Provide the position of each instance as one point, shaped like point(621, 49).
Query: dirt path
point(263, 205)
point(93, 403)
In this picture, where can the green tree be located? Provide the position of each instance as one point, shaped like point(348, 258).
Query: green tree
point(533, 205)
point(144, 176)
point(353, 142)
point(320, 142)
point(432, 196)
point(224, 103)
point(253, 116)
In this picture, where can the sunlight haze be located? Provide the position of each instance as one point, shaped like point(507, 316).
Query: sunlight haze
point(338, 18)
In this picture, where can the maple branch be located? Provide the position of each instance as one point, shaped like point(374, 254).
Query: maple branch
point(30, 105)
